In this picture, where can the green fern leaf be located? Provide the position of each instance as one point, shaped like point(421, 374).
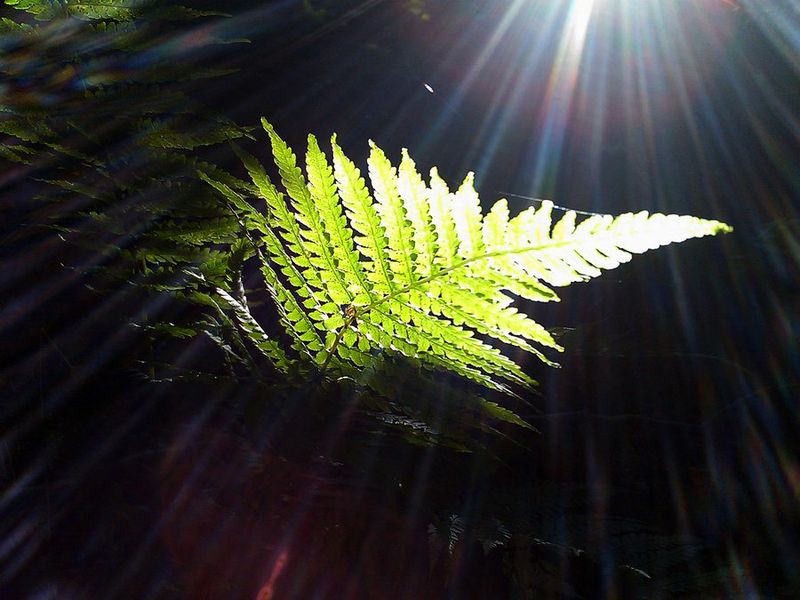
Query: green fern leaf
point(370, 235)
point(121, 10)
point(420, 271)
point(414, 193)
point(8, 27)
point(312, 235)
point(270, 348)
point(393, 216)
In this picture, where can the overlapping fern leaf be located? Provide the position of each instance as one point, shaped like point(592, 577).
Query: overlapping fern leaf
point(416, 269)
point(100, 128)
point(104, 10)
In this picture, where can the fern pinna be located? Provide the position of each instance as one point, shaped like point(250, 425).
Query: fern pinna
point(415, 269)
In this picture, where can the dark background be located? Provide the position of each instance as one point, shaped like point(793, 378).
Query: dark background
point(676, 400)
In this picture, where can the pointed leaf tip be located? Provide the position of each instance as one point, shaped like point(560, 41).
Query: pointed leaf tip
point(267, 126)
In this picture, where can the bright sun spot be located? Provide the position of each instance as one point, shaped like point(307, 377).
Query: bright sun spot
point(580, 13)
point(578, 22)
point(562, 80)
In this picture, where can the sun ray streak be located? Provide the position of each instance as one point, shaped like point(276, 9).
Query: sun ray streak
point(561, 87)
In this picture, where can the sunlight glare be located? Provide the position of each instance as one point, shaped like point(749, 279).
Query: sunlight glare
point(561, 85)
point(579, 15)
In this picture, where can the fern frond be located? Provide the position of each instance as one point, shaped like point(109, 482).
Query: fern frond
point(439, 204)
point(415, 194)
point(393, 217)
point(162, 134)
point(303, 302)
point(370, 235)
point(123, 10)
point(420, 271)
point(268, 347)
point(7, 26)
point(323, 190)
point(294, 318)
point(111, 10)
point(311, 236)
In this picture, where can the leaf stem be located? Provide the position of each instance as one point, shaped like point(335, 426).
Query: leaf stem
point(462, 263)
point(337, 340)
